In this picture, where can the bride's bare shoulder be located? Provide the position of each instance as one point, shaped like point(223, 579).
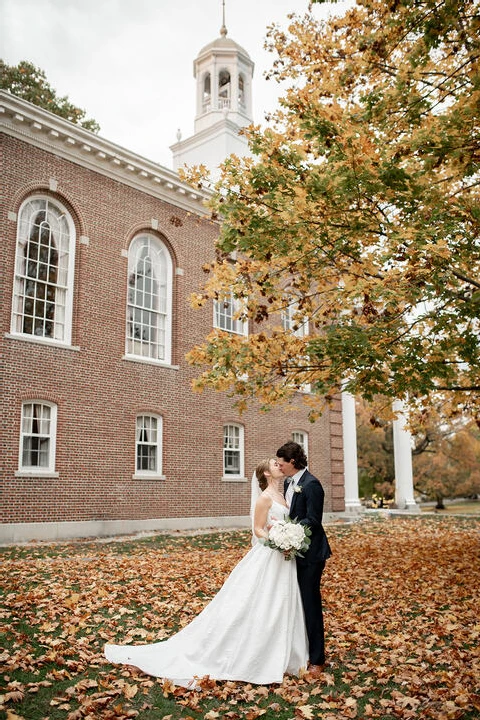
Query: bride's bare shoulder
point(265, 499)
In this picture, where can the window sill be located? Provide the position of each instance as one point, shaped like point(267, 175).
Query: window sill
point(41, 341)
point(36, 474)
point(150, 361)
point(231, 332)
point(234, 478)
point(148, 476)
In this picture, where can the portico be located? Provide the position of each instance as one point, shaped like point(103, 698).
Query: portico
point(402, 443)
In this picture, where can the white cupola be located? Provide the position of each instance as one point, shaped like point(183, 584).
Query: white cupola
point(223, 71)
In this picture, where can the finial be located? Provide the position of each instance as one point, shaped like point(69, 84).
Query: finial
point(223, 29)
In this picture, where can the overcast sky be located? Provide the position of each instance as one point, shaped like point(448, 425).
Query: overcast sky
point(129, 63)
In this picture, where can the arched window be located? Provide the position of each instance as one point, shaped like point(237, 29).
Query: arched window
point(207, 93)
point(44, 268)
point(224, 89)
point(148, 446)
point(233, 452)
point(38, 428)
point(149, 299)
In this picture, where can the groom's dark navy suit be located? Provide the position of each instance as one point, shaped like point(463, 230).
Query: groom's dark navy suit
point(307, 507)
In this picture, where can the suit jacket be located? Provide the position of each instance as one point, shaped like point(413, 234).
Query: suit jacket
point(307, 508)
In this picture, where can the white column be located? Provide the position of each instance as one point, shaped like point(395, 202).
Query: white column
point(352, 502)
point(402, 448)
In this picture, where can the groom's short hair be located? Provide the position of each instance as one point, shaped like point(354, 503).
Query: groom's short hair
point(293, 452)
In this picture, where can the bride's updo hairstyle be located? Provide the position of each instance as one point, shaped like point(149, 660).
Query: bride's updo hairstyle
point(260, 473)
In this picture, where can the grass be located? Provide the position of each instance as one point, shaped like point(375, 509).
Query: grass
point(401, 610)
point(459, 508)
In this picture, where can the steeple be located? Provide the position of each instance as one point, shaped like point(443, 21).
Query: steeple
point(223, 29)
point(223, 71)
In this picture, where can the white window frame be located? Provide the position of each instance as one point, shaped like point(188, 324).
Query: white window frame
point(224, 311)
point(148, 331)
point(47, 432)
point(153, 442)
point(60, 227)
point(288, 321)
point(233, 442)
point(301, 437)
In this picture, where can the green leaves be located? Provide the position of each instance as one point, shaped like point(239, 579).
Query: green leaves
point(30, 83)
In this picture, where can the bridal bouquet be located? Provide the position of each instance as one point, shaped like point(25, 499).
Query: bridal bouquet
point(289, 537)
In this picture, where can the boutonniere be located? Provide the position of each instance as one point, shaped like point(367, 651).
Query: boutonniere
point(297, 489)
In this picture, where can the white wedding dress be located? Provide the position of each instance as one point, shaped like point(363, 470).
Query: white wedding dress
point(253, 630)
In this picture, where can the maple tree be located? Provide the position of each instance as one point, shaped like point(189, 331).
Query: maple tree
point(30, 83)
point(357, 216)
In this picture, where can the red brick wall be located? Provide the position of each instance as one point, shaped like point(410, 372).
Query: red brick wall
point(99, 394)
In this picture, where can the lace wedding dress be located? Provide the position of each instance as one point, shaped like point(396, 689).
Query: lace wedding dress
point(253, 630)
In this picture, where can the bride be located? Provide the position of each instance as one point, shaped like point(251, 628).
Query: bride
point(253, 630)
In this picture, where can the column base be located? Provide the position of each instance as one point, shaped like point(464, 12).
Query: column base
point(408, 506)
point(354, 507)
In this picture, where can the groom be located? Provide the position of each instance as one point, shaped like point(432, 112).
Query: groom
point(304, 495)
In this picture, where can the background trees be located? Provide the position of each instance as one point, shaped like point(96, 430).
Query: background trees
point(358, 215)
point(30, 83)
point(446, 456)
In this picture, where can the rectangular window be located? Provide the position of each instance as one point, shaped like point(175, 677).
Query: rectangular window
point(233, 454)
point(37, 437)
point(224, 316)
point(148, 445)
point(298, 328)
point(301, 437)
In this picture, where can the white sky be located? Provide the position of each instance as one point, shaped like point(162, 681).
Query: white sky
point(129, 63)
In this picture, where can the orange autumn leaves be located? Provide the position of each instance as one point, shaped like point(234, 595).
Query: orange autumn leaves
point(401, 613)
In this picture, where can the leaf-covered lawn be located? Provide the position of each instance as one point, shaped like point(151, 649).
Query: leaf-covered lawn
point(401, 600)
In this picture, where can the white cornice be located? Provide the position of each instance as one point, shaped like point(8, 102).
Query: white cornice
point(52, 133)
point(225, 127)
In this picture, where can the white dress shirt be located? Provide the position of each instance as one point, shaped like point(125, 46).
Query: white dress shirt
point(292, 485)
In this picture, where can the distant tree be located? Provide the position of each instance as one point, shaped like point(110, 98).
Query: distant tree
point(358, 214)
point(375, 458)
point(446, 456)
point(451, 469)
point(30, 83)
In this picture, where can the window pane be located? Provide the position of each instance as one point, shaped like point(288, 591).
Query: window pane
point(232, 462)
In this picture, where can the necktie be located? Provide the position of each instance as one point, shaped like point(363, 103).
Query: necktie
point(289, 493)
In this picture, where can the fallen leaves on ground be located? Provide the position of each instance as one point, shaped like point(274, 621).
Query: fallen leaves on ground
point(401, 612)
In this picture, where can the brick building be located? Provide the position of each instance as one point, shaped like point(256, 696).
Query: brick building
point(101, 433)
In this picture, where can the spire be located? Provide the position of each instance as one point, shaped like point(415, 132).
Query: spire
point(223, 29)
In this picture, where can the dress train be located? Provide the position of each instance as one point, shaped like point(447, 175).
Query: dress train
point(253, 630)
